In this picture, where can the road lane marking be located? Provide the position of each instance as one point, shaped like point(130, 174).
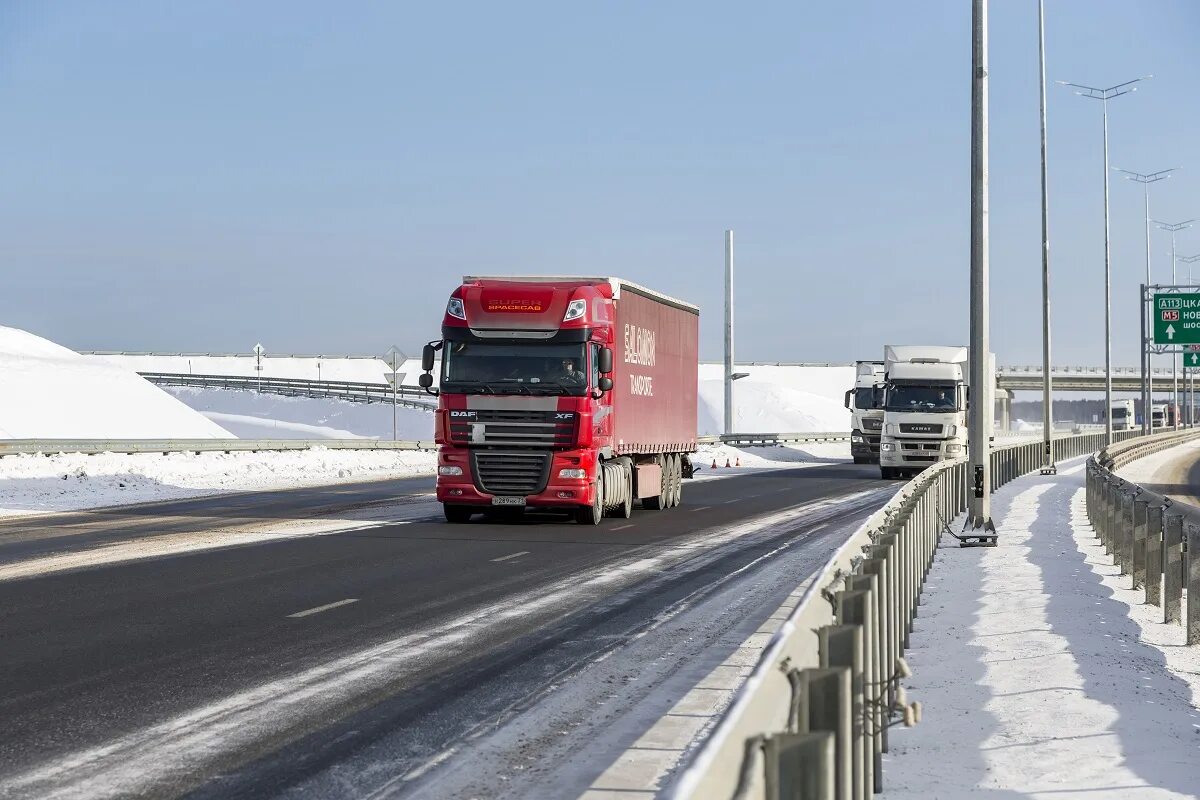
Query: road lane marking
point(701, 508)
point(734, 500)
point(512, 555)
point(622, 527)
point(325, 607)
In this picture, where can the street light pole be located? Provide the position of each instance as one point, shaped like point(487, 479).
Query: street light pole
point(980, 414)
point(1190, 373)
point(1047, 411)
point(1145, 179)
point(728, 331)
point(1174, 228)
point(1104, 95)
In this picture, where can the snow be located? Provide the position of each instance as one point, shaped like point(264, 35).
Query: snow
point(252, 415)
point(786, 399)
point(65, 481)
point(50, 392)
point(1040, 672)
point(334, 368)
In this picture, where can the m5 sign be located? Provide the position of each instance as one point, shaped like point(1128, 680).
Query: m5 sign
point(1176, 318)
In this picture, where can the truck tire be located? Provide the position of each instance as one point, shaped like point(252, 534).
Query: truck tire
point(887, 473)
point(457, 515)
point(676, 480)
point(591, 515)
point(624, 510)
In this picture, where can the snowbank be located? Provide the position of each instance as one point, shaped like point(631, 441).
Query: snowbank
point(784, 399)
point(251, 415)
point(50, 392)
point(64, 482)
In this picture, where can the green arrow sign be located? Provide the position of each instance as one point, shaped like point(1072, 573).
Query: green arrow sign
point(1176, 318)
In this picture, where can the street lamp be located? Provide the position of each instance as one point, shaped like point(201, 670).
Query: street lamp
point(1145, 179)
point(1174, 228)
point(1104, 95)
point(1048, 467)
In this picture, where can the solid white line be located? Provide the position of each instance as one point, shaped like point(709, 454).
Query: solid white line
point(622, 527)
point(325, 607)
point(512, 555)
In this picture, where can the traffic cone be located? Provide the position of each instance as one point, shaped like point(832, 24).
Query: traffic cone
point(714, 466)
point(739, 462)
point(727, 465)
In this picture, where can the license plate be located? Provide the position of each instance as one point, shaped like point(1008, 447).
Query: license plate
point(508, 501)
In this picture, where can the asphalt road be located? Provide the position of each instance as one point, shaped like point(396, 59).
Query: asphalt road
point(248, 671)
point(1174, 473)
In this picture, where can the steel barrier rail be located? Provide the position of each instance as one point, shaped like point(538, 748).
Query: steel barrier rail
point(355, 392)
point(811, 720)
point(9, 447)
point(1154, 541)
point(774, 438)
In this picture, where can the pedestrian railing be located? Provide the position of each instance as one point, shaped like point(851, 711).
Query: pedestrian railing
point(812, 719)
point(351, 391)
point(1154, 542)
point(9, 447)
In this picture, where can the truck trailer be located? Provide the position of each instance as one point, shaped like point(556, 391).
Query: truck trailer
point(925, 406)
point(573, 394)
point(865, 402)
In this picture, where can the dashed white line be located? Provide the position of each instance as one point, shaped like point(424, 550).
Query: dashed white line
point(701, 508)
point(512, 555)
point(622, 527)
point(325, 607)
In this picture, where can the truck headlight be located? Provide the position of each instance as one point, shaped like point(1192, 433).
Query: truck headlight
point(455, 308)
point(575, 310)
point(954, 448)
point(887, 447)
point(449, 470)
point(572, 473)
point(856, 437)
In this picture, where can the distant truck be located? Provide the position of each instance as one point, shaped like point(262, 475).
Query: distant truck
point(865, 402)
point(925, 406)
point(1160, 416)
point(1123, 415)
point(563, 394)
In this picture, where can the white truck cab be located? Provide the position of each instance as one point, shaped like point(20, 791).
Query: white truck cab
point(865, 402)
point(925, 406)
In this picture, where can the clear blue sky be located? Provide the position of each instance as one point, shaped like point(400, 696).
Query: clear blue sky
point(317, 176)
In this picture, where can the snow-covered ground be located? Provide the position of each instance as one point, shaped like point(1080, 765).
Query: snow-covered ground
point(64, 482)
point(1041, 673)
point(334, 368)
point(251, 415)
point(48, 391)
point(777, 399)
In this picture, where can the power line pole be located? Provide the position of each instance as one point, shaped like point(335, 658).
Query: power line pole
point(980, 414)
point(1048, 467)
point(1104, 95)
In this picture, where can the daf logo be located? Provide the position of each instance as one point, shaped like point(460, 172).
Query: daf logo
point(462, 413)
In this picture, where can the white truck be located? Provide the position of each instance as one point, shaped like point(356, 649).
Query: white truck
point(925, 406)
point(1123, 415)
point(865, 402)
point(1159, 416)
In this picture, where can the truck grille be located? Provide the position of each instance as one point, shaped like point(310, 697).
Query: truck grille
point(507, 472)
point(872, 424)
point(513, 427)
point(919, 427)
point(920, 446)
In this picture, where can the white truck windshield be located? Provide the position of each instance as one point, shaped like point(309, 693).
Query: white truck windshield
point(925, 399)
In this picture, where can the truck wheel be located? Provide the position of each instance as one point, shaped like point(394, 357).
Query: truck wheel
point(676, 480)
point(457, 514)
point(660, 501)
point(887, 473)
point(625, 509)
point(591, 515)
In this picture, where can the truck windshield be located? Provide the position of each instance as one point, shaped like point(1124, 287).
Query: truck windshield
point(928, 399)
point(868, 397)
point(1119, 412)
point(508, 368)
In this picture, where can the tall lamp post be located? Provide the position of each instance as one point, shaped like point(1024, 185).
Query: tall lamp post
point(1145, 179)
point(1048, 467)
point(1174, 228)
point(1104, 95)
point(1190, 372)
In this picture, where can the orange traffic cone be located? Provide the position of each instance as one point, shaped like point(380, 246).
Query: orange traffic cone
point(739, 462)
point(727, 465)
point(714, 466)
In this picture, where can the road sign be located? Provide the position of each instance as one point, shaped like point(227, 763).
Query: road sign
point(394, 378)
point(394, 357)
point(1176, 318)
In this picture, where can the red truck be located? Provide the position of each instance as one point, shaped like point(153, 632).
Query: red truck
point(563, 393)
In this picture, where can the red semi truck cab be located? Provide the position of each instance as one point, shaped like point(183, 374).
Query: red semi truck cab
point(572, 394)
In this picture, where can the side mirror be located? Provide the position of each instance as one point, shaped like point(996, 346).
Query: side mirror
point(427, 356)
point(848, 393)
point(605, 384)
point(605, 364)
point(424, 380)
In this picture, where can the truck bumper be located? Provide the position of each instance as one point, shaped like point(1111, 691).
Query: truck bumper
point(865, 448)
point(918, 453)
point(468, 489)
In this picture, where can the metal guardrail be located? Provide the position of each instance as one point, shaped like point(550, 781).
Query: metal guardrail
point(355, 392)
point(1154, 541)
point(10, 447)
point(816, 709)
point(774, 438)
